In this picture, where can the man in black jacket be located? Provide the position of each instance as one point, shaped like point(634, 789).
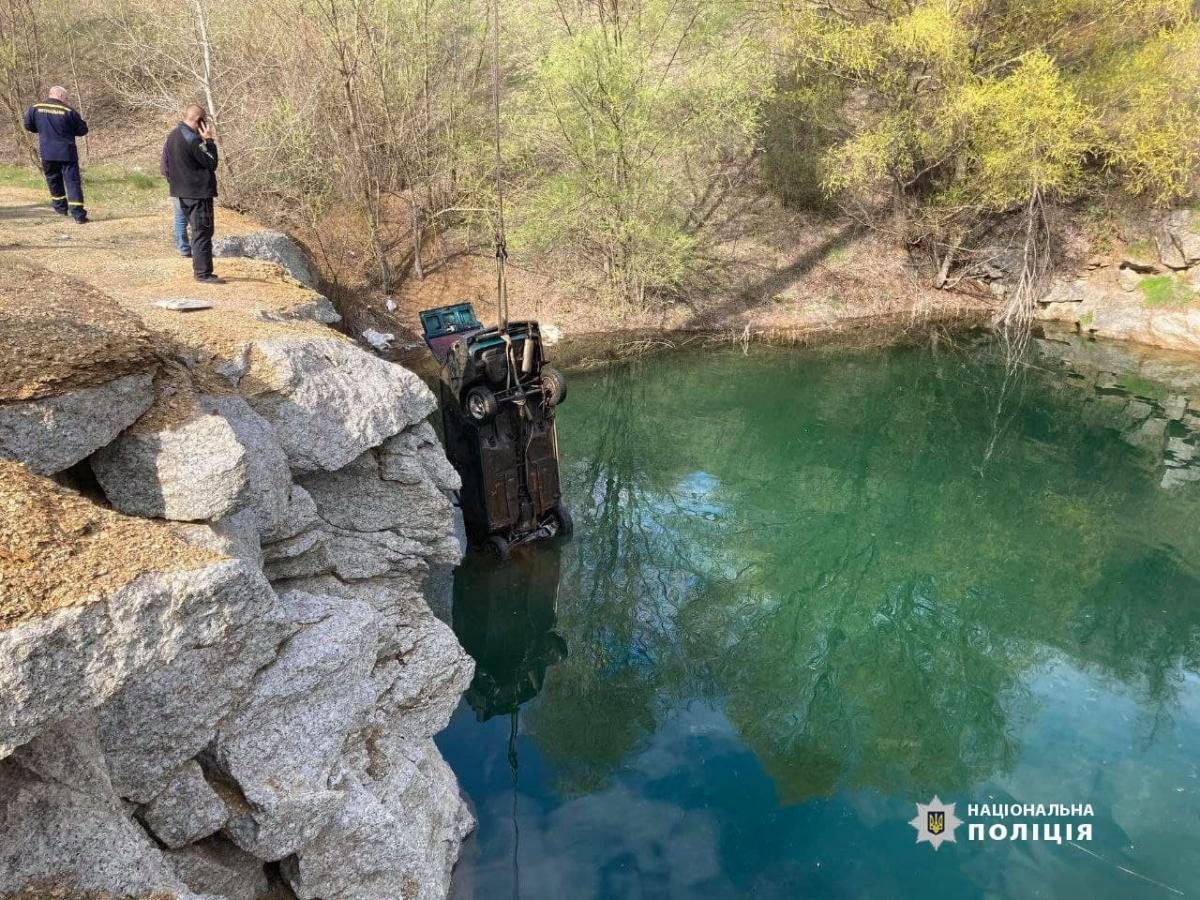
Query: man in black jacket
point(191, 163)
point(57, 126)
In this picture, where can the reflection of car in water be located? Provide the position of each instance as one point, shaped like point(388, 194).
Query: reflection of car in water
point(504, 617)
point(498, 400)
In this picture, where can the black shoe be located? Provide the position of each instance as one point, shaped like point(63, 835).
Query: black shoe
point(83, 220)
point(210, 279)
point(186, 254)
point(61, 212)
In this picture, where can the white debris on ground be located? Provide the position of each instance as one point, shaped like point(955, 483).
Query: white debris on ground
point(379, 341)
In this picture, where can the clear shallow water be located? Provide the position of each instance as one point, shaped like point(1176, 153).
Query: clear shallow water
point(808, 590)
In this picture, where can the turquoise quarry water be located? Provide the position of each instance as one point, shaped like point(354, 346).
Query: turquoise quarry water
point(809, 590)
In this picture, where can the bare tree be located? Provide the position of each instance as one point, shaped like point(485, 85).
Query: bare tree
point(21, 60)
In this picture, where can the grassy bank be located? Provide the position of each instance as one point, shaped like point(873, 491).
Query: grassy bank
point(120, 190)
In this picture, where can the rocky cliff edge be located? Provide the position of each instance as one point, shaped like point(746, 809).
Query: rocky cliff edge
point(219, 674)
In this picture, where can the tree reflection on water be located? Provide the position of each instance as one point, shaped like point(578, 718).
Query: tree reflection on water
point(811, 544)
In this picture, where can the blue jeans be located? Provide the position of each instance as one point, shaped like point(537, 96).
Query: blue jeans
point(181, 228)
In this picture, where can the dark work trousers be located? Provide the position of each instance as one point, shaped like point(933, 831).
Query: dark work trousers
point(200, 218)
point(66, 187)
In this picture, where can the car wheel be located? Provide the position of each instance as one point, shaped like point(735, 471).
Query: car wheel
point(481, 405)
point(562, 515)
point(554, 384)
point(498, 548)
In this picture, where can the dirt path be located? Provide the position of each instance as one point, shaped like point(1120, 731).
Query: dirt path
point(77, 302)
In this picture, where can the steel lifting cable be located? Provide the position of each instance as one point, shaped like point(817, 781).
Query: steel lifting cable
point(500, 238)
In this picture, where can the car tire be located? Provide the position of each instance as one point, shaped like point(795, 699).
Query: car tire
point(498, 548)
point(481, 405)
point(554, 384)
point(562, 515)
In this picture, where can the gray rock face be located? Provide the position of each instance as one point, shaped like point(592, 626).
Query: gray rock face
point(395, 854)
point(320, 309)
point(356, 498)
point(270, 246)
point(217, 867)
point(1169, 252)
point(235, 536)
point(436, 672)
point(81, 657)
point(295, 383)
point(1123, 316)
point(234, 366)
point(283, 742)
point(220, 460)
point(1128, 279)
point(168, 715)
point(270, 480)
point(306, 556)
point(290, 548)
point(355, 556)
point(232, 722)
point(371, 527)
point(68, 754)
point(296, 546)
point(186, 810)
point(1188, 242)
point(393, 767)
point(1179, 241)
point(301, 516)
point(1065, 292)
point(54, 433)
point(415, 455)
point(196, 471)
point(60, 817)
point(408, 631)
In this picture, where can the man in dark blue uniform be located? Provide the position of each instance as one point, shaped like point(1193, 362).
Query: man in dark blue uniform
point(57, 126)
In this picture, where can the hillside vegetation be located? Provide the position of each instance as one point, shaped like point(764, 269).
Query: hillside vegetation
point(630, 129)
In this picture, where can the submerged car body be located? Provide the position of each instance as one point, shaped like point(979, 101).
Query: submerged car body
point(498, 400)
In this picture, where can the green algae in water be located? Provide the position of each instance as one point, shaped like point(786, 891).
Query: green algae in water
point(808, 590)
